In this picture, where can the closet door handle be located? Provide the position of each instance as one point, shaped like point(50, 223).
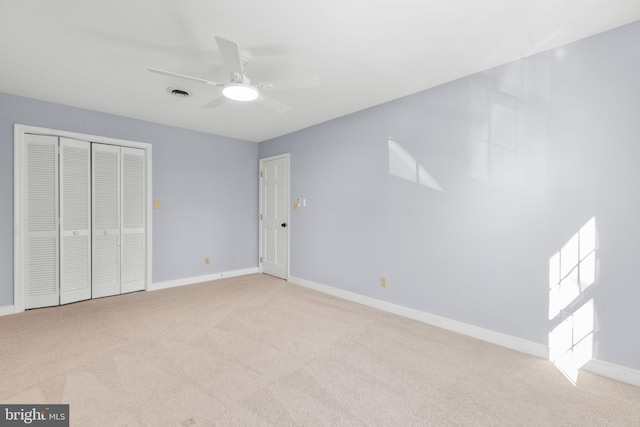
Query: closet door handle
point(75, 233)
point(106, 232)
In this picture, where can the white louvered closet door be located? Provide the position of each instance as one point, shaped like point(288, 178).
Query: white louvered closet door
point(106, 220)
point(75, 220)
point(133, 219)
point(41, 257)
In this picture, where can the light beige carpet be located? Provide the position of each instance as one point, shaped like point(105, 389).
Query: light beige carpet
point(256, 351)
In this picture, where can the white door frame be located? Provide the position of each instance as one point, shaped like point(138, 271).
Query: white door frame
point(288, 195)
point(19, 180)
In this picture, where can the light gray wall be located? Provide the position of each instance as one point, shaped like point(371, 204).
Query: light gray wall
point(526, 154)
point(207, 186)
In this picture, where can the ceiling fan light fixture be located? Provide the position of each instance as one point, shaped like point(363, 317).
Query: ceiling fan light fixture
point(240, 92)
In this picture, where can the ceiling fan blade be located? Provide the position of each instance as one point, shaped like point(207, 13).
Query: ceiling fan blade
point(297, 83)
point(183, 76)
point(273, 105)
point(231, 55)
point(216, 102)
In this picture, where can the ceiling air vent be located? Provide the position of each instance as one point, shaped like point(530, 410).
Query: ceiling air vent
point(180, 93)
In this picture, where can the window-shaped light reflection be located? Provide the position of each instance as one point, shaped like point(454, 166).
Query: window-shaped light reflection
point(554, 285)
point(479, 167)
point(403, 165)
point(504, 123)
point(571, 271)
point(588, 245)
point(424, 178)
point(588, 238)
point(560, 339)
point(569, 288)
point(571, 342)
point(588, 271)
point(569, 255)
point(583, 323)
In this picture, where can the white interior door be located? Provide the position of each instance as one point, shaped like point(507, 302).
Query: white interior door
point(133, 220)
point(41, 205)
point(106, 220)
point(274, 212)
point(75, 220)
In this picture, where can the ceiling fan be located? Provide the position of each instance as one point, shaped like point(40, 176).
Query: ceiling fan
point(240, 88)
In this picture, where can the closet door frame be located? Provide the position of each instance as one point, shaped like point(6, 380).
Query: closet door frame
point(19, 191)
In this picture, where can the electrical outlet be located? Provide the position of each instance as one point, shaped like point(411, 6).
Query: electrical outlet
point(207, 260)
point(383, 281)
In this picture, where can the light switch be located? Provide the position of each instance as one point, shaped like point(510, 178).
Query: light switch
point(156, 204)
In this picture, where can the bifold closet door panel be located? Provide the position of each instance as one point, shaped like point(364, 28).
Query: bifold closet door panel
point(106, 220)
point(75, 220)
point(133, 219)
point(41, 216)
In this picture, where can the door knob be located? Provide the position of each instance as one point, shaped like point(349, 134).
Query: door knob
point(284, 225)
point(75, 233)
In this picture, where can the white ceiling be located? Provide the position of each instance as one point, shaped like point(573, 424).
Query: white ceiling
point(95, 54)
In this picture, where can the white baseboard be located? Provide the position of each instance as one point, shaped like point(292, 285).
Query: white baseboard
point(508, 341)
point(199, 279)
point(613, 371)
point(10, 309)
point(7, 309)
point(595, 366)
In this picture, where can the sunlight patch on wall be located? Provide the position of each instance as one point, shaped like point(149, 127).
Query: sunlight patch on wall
point(571, 342)
point(404, 165)
point(572, 270)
